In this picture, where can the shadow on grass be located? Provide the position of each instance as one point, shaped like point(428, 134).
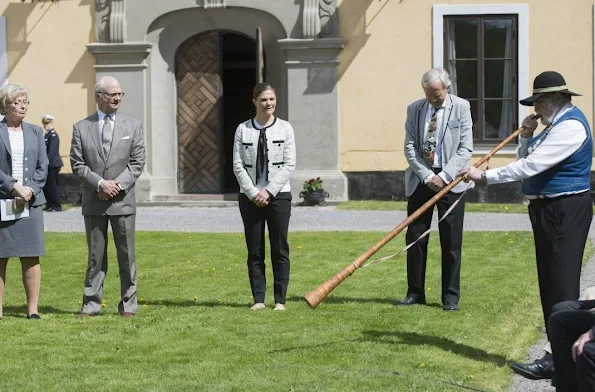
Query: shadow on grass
point(188, 303)
point(341, 300)
point(415, 339)
point(305, 347)
point(15, 311)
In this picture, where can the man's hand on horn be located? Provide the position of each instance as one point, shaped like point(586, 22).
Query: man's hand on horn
point(471, 174)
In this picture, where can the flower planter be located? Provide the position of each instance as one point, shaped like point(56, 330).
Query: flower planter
point(314, 197)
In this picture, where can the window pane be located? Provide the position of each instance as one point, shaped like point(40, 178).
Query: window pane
point(498, 119)
point(498, 38)
point(463, 75)
point(462, 35)
point(498, 78)
point(474, 119)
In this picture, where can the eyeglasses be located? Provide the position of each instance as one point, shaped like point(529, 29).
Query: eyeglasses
point(20, 103)
point(112, 95)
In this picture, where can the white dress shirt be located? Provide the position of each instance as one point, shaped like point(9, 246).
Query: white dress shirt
point(563, 140)
point(17, 147)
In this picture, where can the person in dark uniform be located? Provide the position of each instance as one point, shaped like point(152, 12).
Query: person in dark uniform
point(52, 143)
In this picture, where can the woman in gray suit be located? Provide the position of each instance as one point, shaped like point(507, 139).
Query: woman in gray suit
point(263, 161)
point(23, 171)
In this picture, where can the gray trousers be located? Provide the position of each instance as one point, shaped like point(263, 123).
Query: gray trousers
point(123, 227)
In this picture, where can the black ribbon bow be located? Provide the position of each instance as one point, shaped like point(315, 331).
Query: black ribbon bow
point(262, 157)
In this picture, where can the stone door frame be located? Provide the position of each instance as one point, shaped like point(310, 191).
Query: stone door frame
point(137, 44)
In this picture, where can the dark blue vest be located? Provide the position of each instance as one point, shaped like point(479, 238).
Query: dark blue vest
point(570, 175)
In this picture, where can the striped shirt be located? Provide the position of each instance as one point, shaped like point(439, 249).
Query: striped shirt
point(17, 147)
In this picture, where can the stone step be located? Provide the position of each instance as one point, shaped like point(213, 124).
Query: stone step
point(205, 200)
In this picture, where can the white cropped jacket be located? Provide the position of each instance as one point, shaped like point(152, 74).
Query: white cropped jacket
point(281, 157)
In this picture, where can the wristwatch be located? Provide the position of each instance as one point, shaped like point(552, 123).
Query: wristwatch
point(483, 176)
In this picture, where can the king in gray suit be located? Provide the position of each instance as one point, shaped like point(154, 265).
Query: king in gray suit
point(438, 143)
point(108, 155)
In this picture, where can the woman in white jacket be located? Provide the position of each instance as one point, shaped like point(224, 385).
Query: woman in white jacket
point(263, 161)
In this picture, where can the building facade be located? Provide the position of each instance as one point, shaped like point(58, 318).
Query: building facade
point(344, 71)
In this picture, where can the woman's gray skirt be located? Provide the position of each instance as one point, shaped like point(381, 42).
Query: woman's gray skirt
point(23, 237)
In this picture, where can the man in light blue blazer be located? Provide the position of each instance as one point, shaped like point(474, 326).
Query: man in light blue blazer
point(438, 143)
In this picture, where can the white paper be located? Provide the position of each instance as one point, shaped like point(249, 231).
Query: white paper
point(9, 211)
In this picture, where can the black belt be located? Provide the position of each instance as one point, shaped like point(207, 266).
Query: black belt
point(536, 198)
point(436, 170)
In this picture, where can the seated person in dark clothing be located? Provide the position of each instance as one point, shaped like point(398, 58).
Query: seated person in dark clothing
point(572, 335)
point(543, 367)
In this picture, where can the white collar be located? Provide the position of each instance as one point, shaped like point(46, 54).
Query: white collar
point(562, 111)
point(102, 115)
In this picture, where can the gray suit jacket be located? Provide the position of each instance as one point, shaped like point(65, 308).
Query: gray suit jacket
point(124, 164)
point(456, 140)
point(35, 168)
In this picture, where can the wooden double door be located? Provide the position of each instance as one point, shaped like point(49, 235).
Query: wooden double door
point(215, 73)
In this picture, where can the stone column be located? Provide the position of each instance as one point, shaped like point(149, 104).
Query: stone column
point(312, 79)
point(126, 62)
point(311, 19)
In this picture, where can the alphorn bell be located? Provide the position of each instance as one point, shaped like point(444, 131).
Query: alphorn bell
point(315, 297)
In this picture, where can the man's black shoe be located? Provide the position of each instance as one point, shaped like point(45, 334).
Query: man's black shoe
point(412, 299)
point(450, 306)
point(542, 368)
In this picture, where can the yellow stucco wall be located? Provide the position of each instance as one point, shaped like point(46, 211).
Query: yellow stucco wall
point(47, 55)
point(389, 47)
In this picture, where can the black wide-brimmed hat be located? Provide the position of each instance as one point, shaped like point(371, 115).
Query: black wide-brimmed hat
point(547, 82)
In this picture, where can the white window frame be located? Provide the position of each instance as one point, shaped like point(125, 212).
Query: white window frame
point(522, 13)
point(3, 52)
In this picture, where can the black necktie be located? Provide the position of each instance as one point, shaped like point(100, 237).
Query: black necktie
point(262, 156)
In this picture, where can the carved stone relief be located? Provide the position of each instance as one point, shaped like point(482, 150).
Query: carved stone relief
point(110, 20)
point(328, 18)
point(102, 8)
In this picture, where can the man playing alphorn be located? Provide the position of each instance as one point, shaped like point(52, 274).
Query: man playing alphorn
point(555, 168)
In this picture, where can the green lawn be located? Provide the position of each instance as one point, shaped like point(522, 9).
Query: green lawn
point(194, 330)
point(402, 206)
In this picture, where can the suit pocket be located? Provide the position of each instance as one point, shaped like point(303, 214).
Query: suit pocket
point(454, 124)
point(248, 153)
point(276, 150)
point(124, 146)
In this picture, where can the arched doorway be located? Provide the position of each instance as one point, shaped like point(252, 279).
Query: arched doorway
point(215, 73)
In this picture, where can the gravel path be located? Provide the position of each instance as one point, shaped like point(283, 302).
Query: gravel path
point(227, 219)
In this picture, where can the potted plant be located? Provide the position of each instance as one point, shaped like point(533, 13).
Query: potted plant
point(313, 193)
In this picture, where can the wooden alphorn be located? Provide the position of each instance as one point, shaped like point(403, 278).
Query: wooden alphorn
point(315, 297)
